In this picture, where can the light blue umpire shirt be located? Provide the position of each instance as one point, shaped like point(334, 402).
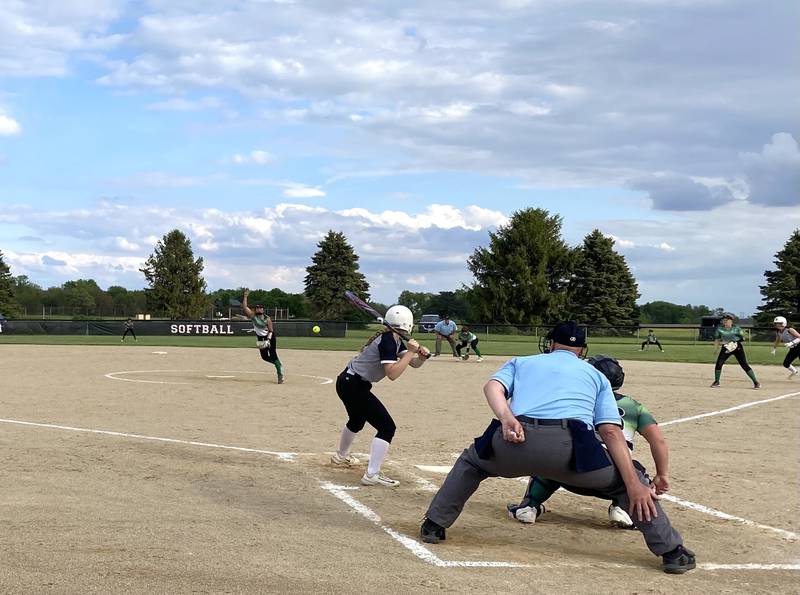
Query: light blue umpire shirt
point(445, 329)
point(558, 385)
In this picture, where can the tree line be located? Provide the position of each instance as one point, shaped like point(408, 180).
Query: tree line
point(526, 275)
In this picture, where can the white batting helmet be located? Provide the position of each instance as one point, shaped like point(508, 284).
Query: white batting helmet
point(400, 317)
point(780, 320)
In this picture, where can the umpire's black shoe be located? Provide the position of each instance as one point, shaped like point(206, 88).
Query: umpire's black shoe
point(678, 560)
point(431, 532)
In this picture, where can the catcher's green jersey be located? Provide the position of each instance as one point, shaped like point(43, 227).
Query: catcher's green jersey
point(635, 417)
point(727, 335)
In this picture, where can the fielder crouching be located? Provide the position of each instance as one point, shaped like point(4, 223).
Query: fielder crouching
point(548, 429)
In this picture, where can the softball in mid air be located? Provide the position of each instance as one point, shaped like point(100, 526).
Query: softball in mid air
point(316, 329)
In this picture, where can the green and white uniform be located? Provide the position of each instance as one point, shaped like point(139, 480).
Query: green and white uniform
point(731, 340)
point(467, 338)
point(635, 418)
point(267, 343)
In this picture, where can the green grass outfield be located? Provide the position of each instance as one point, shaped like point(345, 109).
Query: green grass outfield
point(677, 349)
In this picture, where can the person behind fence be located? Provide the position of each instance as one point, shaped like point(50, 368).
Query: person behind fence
point(266, 341)
point(384, 355)
point(635, 418)
point(445, 329)
point(128, 326)
point(467, 338)
point(731, 337)
point(790, 337)
point(651, 340)
point(557, 400)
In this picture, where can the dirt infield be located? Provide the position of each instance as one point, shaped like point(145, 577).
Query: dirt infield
point(192, 471)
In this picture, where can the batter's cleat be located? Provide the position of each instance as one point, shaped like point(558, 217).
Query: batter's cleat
point(715, 385)
point(794, 374)
point(480, 359)
point(344, 461)
point(431, 532)
point(619, 518)
point(524, 514)
point(378, 480)
point(757, 386)
point(678, 561)
point(280, 379)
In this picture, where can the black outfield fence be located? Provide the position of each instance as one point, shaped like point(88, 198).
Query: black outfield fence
point(202, 328)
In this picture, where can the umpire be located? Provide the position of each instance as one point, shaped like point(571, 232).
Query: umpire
point(557, 401)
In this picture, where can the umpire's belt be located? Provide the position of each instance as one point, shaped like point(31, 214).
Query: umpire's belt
point(543, 422)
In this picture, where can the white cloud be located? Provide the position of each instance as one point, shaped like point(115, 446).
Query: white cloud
point(302, 191)
point(254, 157)
point(181, 104)
point(9, 126)
point(773, 175)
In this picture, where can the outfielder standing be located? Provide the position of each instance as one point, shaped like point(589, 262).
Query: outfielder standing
point(265, 336)
point(128, 326)
point(731, 337)
point(790, 337)
point(384, 355)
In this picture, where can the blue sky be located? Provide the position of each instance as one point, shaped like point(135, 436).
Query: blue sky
point(416, 128)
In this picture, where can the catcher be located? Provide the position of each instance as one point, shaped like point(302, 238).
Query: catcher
point(731, 337)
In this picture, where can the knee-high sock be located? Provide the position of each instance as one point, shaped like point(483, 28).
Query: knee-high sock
point(346, 442)
point(377, 453)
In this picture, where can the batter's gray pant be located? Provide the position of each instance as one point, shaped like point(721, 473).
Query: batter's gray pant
point(547, 452)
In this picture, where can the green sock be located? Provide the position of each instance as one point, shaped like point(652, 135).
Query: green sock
point(477, 351)
point(539, 490)
point(717, 374)
point(278, 367)
point(752, 376)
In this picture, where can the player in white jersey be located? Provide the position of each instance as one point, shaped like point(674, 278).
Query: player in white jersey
point(790, 337)
point(384, 355)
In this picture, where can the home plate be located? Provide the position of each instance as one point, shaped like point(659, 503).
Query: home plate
point(435, 468)
point(211, 376)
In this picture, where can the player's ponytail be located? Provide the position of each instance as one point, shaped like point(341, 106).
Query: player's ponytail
point(372, 338)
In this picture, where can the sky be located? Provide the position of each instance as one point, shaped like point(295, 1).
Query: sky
point(415, 128)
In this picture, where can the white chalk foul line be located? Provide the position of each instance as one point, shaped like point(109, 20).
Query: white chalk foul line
point(286, 456)
point(729, 409)
point(415, 547)
point(749, 566)
point(728, 517)
point(444, 469)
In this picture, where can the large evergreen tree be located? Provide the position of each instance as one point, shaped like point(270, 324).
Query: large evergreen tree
point(602, 289)
point(333, 271)
point(781, 294)
point(8, 303)
point(177, 287)
point(522, 276)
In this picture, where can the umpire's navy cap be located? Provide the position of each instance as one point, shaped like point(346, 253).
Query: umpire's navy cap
point(568, 333)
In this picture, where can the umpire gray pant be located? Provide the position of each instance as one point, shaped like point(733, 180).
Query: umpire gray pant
point(547, 452)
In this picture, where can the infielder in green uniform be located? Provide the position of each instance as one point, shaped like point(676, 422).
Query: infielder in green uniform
point(465, 337)
point(730, 336)
point(635, 418)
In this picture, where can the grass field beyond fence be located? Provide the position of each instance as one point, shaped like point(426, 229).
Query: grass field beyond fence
point(680, 344)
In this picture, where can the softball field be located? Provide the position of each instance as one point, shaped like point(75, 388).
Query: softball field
point(189, 470)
